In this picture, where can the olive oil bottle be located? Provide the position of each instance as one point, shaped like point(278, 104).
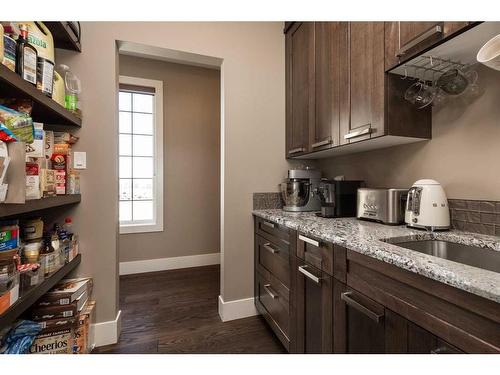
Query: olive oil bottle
point(26, 56)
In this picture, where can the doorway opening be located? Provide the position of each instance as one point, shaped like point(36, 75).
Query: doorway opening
point(169, 112)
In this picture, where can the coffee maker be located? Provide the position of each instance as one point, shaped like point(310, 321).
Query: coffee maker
point(299, 191)
point(338, 198)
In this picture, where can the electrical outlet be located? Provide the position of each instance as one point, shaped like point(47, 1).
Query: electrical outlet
point(79, 160)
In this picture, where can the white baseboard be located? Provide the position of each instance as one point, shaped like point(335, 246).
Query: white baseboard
point(163, 264)
point(107, 333)
point(237, 309)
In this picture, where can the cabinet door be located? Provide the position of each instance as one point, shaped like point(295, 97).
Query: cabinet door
point(330, 82)
point(364, 108)
point(410, 33)
point(421, 341)
point(359, 325)
point(299, 87)
point(407, 39)
point(313, 314)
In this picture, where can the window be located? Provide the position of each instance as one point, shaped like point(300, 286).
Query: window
point(140, 155)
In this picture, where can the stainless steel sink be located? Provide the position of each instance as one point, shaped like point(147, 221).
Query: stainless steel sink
point(473, 256)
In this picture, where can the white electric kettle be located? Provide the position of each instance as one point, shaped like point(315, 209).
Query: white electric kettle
point(427, 206)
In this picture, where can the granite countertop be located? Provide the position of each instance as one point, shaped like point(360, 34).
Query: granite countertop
point(366, 238)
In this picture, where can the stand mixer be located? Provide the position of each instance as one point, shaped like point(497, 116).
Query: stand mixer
point(299, 190)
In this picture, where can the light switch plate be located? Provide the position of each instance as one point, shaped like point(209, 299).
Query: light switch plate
point(80, 160)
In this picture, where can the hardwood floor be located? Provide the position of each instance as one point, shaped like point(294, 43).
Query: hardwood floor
point(177, 312)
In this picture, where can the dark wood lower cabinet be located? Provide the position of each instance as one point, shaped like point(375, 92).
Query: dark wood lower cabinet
point(273, 302)
point(359, 323)
point(321, 298)
point(420, 341)
point(363, 326)
point(313, 308)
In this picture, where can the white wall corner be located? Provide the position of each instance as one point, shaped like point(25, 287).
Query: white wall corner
point(163, 264)
point(107, 333)
point(237, 309)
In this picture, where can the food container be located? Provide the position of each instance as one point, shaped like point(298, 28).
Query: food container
point(50, 262)
point(1, 42)
point(10, 296)
point(74, 248)
point(7, 272)
point(62, 257)
point(9, 280)
point(58, 89)
point(30, 275)
point(31, 252)
point(56, 340)
point(9, 54)
point(45, 76)
point(9, 239)
point(32, 229)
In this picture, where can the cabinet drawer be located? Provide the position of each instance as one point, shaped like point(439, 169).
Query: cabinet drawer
point(315, 252)
point(273, 302)
point(278, 234)
point(274, 259)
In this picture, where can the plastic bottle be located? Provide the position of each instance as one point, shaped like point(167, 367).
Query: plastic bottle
point(73, 88)
point(68, 225)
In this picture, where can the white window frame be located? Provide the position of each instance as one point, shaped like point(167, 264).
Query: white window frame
point(157, 224)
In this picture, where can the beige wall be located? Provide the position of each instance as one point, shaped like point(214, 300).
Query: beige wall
point(253, 118)
point(191, 135)
point(463, 154)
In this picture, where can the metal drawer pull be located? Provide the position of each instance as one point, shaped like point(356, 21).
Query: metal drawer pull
point(322, 143)
point(296, 150)
point(268, 247)
point(316, 279)
point(268, 224)
point(267, 288)
point(358, 133)
point(346, 297)
point(309, 240)
point(419, 39)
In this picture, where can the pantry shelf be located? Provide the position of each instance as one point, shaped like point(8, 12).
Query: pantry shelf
point(63, 35)
point(32, 295)
point(45, 109)
point(10, 209)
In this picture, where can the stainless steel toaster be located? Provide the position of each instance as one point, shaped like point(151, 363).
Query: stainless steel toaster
point(384, 205)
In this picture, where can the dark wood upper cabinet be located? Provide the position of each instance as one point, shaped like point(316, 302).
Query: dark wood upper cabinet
point(365, 102)
point(330, 82)
point(313, 308)
point(338, 93)
point(299, 87)
point(404, 40)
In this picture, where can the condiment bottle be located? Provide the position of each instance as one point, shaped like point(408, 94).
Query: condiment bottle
point(26, 57)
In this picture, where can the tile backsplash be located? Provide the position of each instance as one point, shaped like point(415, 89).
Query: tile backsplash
point(265, 201)
point(475, 216)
